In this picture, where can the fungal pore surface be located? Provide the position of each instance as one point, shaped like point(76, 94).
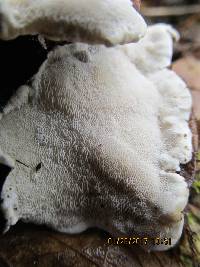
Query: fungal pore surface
point(97, 136)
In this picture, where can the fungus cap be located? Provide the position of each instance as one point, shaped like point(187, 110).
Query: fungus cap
point(92, 21)
point(95, 141)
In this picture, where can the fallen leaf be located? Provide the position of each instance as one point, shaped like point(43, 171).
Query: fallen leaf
point(188, 68)
point(27, 245)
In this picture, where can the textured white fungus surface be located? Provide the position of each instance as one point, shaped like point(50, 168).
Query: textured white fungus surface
point(154, 51)
point(98, 139)
point(92, 21)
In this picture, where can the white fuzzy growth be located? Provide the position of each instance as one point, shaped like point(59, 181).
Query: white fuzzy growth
point(91, 21)
point(175, 113)
point(18, 100)
point(8, 208)
point(6, 160)
point(151, 55)
point(154, 51)
point(110, 137)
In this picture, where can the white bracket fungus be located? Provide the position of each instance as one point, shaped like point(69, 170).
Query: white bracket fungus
point(92, 21)
point(98, 137)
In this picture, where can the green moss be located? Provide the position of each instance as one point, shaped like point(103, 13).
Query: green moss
point(187, 261)
point(198, 156)
point(196, 186)
point(190, 245)
point(191, 218)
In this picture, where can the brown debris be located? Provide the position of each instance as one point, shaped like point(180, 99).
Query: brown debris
point(31, 246)
point(137, 4)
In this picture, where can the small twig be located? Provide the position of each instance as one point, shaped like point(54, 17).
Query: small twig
point(164, 11)
point(22, 163)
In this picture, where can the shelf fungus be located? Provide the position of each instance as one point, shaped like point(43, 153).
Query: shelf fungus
point(97, 136)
